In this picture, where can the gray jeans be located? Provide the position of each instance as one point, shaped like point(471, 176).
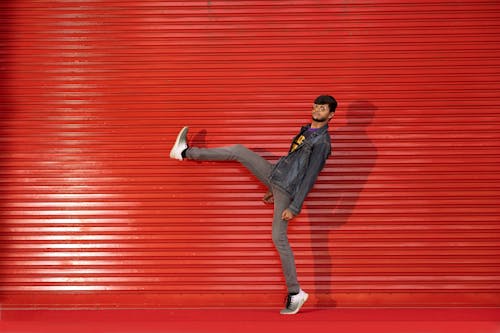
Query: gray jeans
point(261, 169)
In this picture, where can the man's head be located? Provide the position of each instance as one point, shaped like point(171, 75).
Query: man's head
point(324, 108)
point(326, 99)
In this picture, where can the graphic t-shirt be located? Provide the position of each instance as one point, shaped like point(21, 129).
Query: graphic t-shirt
point(301, 138)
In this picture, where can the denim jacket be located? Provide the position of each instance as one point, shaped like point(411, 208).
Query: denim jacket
point(297, 172)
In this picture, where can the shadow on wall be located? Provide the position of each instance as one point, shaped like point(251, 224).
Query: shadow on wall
point(340, 208)
point(199, 140)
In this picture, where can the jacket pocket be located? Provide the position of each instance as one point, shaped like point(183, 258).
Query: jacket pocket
point(290, 170)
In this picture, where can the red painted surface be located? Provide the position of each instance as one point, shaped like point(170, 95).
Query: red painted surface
point(94, 214)
point(252, 320)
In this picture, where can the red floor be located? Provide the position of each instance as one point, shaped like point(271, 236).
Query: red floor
point(252, 320)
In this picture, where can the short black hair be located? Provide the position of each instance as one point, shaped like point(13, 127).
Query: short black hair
point(326, 99)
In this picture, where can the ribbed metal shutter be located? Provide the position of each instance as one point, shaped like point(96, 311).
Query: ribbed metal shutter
point(93, 213)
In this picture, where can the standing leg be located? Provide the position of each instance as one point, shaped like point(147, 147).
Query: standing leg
point(280, 239)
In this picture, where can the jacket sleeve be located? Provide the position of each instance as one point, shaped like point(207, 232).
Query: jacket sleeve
point(319, 154)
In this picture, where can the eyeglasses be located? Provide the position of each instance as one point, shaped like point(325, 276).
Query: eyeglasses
point(320, 107)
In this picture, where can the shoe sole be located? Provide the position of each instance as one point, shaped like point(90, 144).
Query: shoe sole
point(182, 135)
point(298, 308)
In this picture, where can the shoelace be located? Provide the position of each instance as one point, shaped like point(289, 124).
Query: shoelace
point(288, 301)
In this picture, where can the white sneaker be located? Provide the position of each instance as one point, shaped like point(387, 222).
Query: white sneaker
point(180, 144)
point(294, 303)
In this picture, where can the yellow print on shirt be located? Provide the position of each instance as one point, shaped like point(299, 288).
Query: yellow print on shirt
point(297, 143)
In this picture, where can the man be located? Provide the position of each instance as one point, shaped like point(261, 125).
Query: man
point(288, 181)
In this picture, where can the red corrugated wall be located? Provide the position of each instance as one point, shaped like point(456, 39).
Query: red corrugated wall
point(94, 214)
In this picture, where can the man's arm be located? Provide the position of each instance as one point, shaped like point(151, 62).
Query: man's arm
point(319, 155)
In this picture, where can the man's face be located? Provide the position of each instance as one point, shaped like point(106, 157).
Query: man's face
point(321, 112)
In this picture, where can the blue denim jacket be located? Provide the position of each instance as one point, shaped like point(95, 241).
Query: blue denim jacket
point(297, 172)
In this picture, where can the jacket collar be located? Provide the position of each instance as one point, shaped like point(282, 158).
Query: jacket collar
point(318, 132)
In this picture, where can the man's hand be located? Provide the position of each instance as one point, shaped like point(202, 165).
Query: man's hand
point(268, 197)
point(287, 215)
